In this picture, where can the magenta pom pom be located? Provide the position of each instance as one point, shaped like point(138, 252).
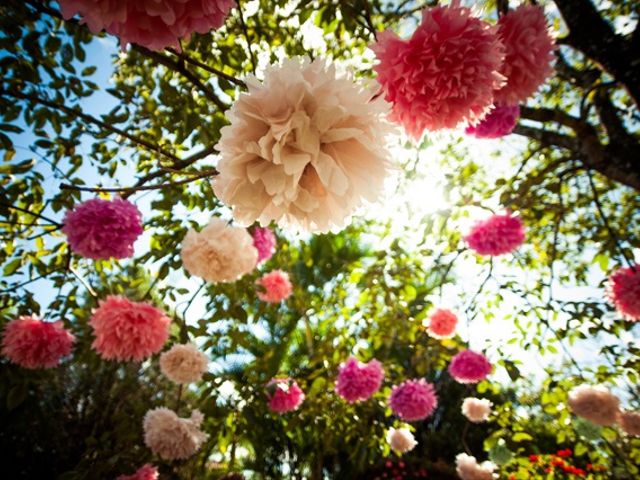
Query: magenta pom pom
point(277, 287)
point(497, 235)
point(499, 122)
point(265, 242)
point(146, 472)
point(102, 229)
point(445, 74)
point(33, 343)
point(127, 330)
point(623, 290)
point(413, 400)
point(284, 395)
point(469, 367)
point(358, 381)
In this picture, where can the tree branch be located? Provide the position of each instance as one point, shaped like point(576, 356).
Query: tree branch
point(208, 68)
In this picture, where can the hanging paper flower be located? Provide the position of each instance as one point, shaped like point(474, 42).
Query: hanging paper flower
point(128, 331)
point(358, 381)
point(469, 367)
point(265, 242)
point(497, 235)
point(219, 253)
point(33, 343)
point(183, 364)
point(476, 409)
point(595, 403)
point(442, 323)
point(172, 437)
point(529, 47)
point(445, 74)
point(276, 285)
point(401, 440)
point(146, 472)
point(413, 400)
point(103, 229)
point(467, 468)
point(630, 422)
point(499, 122)
point(623, 290)
point(154, 24)
point(305, 148)
point(284, 395)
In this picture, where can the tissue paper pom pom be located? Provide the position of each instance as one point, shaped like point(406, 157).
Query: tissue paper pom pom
point(284, 395)
point(413, 400)
point(529, 53)
point(172, 437)
point(476, 409)
point(445, 74)
point(499, 122)
point(468, 468)
point(276, 285)
point(401, 440)
point(265, 242)
point(154, 24)
point(630, 423)
point(127, 330)
point(596, 404)
point(32, 343)
point(442, 323)
point(102, 229)
point(147, 472)
point(305, 148)
point(358, 381)
point(497, 235)
point(469, 367)
point(219, 253)
point(183, 364)
point(623, 290)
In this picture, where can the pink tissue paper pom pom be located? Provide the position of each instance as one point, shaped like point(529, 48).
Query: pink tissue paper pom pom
point(445, 74)
point(442, 323)
point(284, 395)
point(623, 290)
point(496, 235)
point(172, 437)
point(265, 242)
point(277, 286)
point(128, 331)
point(476, 409)
point(154, 24)
point(469, 367)
point(499, 122)
point(595, 403)
point(103, 229)
point(529, 47)
point(33, 343)
point(146, 472)
point(357, 380)
point(401, 440)
point(413, 400)
point(468, 468)
point(629, 422)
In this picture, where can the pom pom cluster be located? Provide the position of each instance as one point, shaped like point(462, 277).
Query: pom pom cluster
point(413, 400)
point(276, 285)
point(172, 437)
point(496, 235)
point(284, 395)
point(358, 381)
point(183, 364)
point(469, 367)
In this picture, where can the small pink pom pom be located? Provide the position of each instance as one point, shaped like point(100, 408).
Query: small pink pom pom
point(623, 290)
point(265, 242)
point(358, 381)
point(146, 472)
point(442, 323)
point(33, 343)
point(284, 395)
point(497, 235)
point(499, 122)
point(469, 367)
point(413, 400)
point(277, 287)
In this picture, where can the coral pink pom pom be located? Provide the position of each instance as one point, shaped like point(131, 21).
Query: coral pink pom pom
point(146, 472)
point(445, 74)
point(469, 367)
point(265, 242)
point(358, 381)
point(529, 47)
point(33, 343)
point(442, 323)
point(102, 229)
point(127, 330)
point(499, 122)
point(284, 395)
point(497, 235)
point(276, 285)
point(154, 24)
point(623, 290)
point(413, 400)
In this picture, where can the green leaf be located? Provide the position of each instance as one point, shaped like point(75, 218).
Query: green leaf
point(521, 437)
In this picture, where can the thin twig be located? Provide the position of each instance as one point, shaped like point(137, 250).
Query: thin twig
point(38, 215)
point(208, 68)
point(246, 34)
